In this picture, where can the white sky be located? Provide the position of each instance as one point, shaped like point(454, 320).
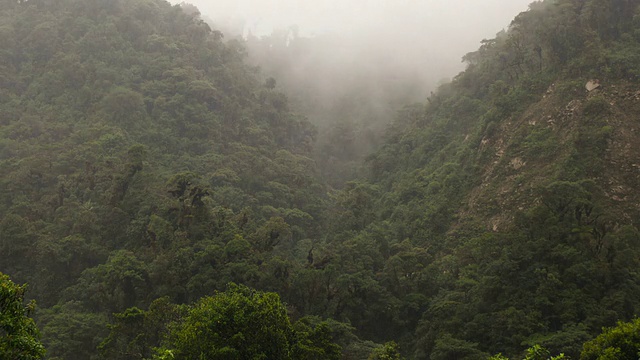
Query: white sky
point(430, 36)
point(477, 18)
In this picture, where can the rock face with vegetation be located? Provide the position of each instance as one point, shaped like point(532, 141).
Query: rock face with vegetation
point(144, 166)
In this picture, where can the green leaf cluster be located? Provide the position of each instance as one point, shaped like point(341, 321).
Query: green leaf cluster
point(19, 336)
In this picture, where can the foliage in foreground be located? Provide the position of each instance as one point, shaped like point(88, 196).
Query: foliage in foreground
point(535, 352)
point(621, 342)
point(19, 336)
point(239, 323)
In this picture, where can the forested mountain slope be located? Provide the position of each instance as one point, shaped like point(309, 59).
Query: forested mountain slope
point(140, 157)
point(504, 212)
point(348, 88)
point(144, 166)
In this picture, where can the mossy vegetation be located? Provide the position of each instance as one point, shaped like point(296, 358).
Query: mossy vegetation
point(144, 166)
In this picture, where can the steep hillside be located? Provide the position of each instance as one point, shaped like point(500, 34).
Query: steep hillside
point(590, 136)
point(504, 212)
point(141, 157)
point(349, 89)
point(144, 166)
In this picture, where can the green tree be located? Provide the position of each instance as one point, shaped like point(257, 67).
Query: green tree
point(536, 352)
point(447, 347)
point(620, 342)
point(314, 341)
point(134, 332)
point(239, 323)
point(71, 332)
point(387, 352)
point(19, 336)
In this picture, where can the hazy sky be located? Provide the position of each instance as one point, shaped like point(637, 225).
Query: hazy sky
point(478, 19)
point(428, 37)
point(439, 31)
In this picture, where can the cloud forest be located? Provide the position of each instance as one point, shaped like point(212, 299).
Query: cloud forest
point(171, 190)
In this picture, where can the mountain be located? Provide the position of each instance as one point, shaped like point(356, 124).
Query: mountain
point(145, 167)
point(140, 157)
point(506, 207)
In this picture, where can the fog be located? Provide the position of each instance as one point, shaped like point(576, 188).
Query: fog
point(350, 65)
point(418, 40)
point(434, 33)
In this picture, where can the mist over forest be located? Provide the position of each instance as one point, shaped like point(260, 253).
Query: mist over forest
point(425, 38)
point(350, 66)
point(334, 180)
point(416, 44)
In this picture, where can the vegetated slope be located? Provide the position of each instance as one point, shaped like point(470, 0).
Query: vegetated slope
point(588, 137)
point(504, 212)
point(140, 157)
point(348, 88)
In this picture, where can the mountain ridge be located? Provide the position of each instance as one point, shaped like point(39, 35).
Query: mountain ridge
point(144, 165)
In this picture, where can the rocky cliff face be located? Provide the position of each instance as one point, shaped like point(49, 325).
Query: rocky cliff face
point(568, 122)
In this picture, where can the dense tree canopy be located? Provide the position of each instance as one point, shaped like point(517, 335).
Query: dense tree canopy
point(241, 323)
point(144, 166)
point(619, 342)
